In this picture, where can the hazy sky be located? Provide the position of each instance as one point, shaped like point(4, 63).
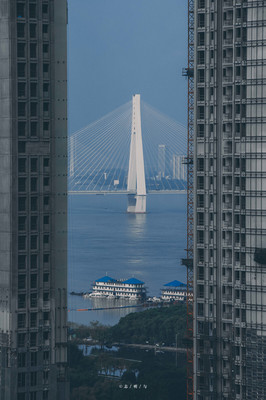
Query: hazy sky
point(121, 47)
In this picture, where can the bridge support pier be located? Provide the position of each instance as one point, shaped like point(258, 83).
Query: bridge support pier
point(136, 204)
point(136, 184)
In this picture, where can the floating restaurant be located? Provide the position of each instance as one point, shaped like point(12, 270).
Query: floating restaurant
point(174, 291)
point(112, 288)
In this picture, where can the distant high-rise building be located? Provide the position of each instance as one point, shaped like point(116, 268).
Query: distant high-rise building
point(33, 200)
point(179, 168)
point(161, 160)
point(230, 200)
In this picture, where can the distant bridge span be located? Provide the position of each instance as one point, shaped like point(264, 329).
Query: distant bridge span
point(102, 192)
point(133, 150)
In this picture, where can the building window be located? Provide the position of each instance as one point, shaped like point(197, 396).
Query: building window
point(201, 130)
point(21, 70)
point(46, 357)
point(22, 223)
point(21, 301)
point(45, 316)
point(46, 258)
point(21, 128)
point(21, 339)
point(46, 220)
point(201, 39)
point(22, 184)
point(45, 28)
point(21, 282)
point(33, 89)
point(46, 201)
point(33, 395)
point(22, 165)
point(33, 339)
point(201, 4)
point(33, 261)
point(45, 239)
point(21, 261)
point(46, 298)
point(33, 223)
point(32, 10)
point(21, 50)
point(33, 184)
point(34, 242)
point(45, 49)
point(22, 242)
point(33, 320)
point(22, 204)
point(21, 321)
point(34, 204)
point(33, 70)
point(46, 277)
point(33, 109)
point(21, 360)
point(21, 379)
point(33, 359)
point(20, 30)
point(33, 165)
point(46, 108)
point(21, 109)
point(46, 90)
point(21, 147)
point(45, 11)
point(33, 31)
point(33, 300)
point(45, 70)
point(45, 377)
point(46, 182)
point(45, 395)
point(46, 127)
point(33, 281)
point(200, 309)
point(201, 20)
point(20, 10)
point(33, 50)
point(21, 89)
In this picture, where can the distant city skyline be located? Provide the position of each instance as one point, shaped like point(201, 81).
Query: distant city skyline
point(120, 48)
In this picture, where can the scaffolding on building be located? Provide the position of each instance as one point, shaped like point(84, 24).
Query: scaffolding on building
point(188, 262)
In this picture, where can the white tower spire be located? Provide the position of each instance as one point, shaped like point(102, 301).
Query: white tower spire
point(136, 184)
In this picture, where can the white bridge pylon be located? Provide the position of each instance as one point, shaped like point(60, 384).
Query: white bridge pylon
point(136, 184)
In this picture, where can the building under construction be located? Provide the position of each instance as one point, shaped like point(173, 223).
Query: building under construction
point(230, 200)
point(33, 200)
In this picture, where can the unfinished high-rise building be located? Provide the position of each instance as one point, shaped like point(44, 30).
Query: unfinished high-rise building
point(230, 200)
point(33, 200)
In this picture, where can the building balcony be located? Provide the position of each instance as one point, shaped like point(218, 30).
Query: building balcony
point(227, 169)
point(46, 305)
point(227, 206)
point(228, 42)
point(227, 224)
point(227, 243)
point(228, 22)
point(228, 3)
point(227, 316)
point(227, 280)
point(227, 297)
point(228, 60)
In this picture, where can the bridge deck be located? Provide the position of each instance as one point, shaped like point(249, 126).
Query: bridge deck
point(125, 192)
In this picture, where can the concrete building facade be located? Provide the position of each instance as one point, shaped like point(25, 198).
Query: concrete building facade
point(161, 160)
point(179, 168)
point(33, 200)
point(230, 200)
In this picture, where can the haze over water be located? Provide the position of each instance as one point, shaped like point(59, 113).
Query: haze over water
point(104, 239)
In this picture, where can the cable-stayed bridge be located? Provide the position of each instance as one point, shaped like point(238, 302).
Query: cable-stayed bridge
point(133, 150)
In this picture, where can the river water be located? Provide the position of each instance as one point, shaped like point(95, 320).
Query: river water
point(104, 239)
